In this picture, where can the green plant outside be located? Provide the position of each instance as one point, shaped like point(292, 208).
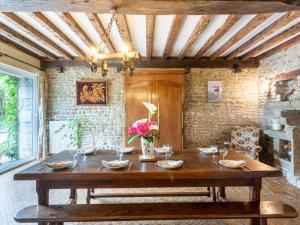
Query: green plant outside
point(9, 115)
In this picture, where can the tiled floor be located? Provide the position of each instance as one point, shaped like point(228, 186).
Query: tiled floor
point(17, 194)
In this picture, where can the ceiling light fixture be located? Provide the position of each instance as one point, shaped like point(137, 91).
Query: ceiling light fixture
point(126, 57)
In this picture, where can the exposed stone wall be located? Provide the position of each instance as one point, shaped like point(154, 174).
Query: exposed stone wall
point(206, 123)
point(282, 62)
point(106, 121)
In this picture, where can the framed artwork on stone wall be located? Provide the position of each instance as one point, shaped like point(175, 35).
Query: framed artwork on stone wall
point(215, 91)
point(91, 92)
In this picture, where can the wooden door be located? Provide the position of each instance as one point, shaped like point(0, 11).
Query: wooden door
point(165, 91)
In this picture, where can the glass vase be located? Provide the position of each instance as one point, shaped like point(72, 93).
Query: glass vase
point(147, 147)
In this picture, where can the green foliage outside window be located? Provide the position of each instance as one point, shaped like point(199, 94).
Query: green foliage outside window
point(9, 115)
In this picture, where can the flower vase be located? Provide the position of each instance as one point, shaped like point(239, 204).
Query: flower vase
point(147, 148)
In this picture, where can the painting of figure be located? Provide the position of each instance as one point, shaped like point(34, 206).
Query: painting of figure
point(215, 90)
point(91, 92)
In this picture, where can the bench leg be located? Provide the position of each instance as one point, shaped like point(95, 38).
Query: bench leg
point(43, 195)
point(254, 196)
point(88, 196)
point(263, 221)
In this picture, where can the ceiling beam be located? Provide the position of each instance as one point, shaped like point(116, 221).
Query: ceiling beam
point(62, 36)
point(27, 41)
point(158, 62)
point(175, 28)
point(38, 34)
point(125, 35)
point(230, 21)
point(255, 22)
point(273, 41)
point(281, 22)
point(281, 47)
point(199, 28)
point(152, 7)
point(17, 46)
point(94, 19)
point(68, 19)
point(150, 24)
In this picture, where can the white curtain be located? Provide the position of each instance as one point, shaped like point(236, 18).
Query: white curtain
point(42, 113)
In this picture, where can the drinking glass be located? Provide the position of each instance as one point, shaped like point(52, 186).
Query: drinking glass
point(168, 151)
point(214, 149)
point(119, 153)
point(223, 152)
point(74, 153)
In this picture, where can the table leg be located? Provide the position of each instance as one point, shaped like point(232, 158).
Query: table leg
point(222, 192)
point(43, 195)
point(73, 196)
point(254, 196)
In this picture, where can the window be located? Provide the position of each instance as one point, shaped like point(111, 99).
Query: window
point(18, 130)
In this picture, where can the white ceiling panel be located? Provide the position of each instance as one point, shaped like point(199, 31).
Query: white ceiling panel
point(28, 17)
point(86, 25)
point(254, 32)
point(213, 26)
point(186, 29)
point(279, 43)
point(5, 20)
point(162, 28)
point(289, 25)
point(137, 30)
point(54, 18)
point(21, 43)
point(232, 31)
point(114, 33)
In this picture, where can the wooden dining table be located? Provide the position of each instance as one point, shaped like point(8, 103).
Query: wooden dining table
point(198, 170)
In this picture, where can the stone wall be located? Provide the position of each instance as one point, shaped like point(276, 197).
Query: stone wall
point(204, 123)
point(106, 122)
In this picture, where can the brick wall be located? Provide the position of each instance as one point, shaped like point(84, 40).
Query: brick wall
point(204, 122)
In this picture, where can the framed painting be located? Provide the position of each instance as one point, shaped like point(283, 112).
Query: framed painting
point(215, 91)
point(91, 92)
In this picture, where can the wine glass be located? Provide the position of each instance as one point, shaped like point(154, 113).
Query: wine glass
point(214, 149)
point(223, 152)
point(74, 152)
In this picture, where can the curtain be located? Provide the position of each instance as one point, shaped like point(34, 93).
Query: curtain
point(42, 113)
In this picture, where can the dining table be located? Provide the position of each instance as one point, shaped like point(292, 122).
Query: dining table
point(197, 170)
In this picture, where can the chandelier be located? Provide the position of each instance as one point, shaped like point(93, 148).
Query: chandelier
point(126, 57)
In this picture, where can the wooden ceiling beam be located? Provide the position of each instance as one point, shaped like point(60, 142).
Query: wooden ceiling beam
point(281, 22)
point(27, 41)
point(125, 35)
point(68, 18)
point(94, 19)
point(17, 46)
point(230, 21)
point(199, 28)
point(62, 36)
point(281, 47)
point(175, 28)
point(159, 62)
point(268, 44)
point(38, 34)
point(255, 22)
point(152, 7)
point(150, 24)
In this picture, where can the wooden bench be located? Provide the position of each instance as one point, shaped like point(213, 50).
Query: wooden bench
point(57, 214)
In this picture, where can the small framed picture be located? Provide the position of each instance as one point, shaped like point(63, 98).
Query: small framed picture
point(91, 92)
point(215, 91)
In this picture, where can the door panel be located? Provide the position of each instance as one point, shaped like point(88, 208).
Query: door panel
point(169, 101)
point(136, 93)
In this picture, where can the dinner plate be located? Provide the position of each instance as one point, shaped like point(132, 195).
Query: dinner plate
point(127, 149)
point(88, 151)
point(160, 150)
point(58, 165)
point(206, 150)
point(170, 164)
point(232, 163)
point(115, 164)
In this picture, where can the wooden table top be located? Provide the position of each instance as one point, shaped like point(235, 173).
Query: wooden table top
point(195, 166)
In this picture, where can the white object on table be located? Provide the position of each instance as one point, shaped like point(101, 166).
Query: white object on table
point(170, 164)
point(115, 164)
point(206, 150)
point(232, 163)
point(127, 149)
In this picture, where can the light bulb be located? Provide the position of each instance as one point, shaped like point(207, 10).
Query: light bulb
point(124, 48)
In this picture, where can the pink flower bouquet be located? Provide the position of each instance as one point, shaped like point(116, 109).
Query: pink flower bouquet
point(143, 129)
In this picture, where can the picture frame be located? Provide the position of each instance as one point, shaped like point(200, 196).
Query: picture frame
point(91, 92)
point(214, 91)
